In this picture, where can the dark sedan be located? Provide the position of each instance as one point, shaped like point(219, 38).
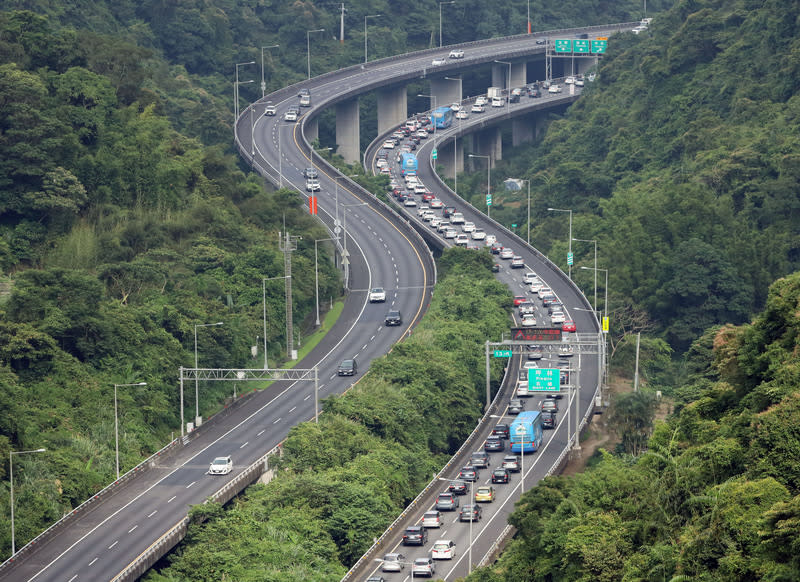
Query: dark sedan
point(457, 487)
point(470, 513)
point(494, 444)
point(501, 430)
point(500, 475)
point(468, 474)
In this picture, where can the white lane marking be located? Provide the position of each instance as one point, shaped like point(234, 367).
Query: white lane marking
point(364, 347)
point(244, 445)
point(73, 578)
point(152, 514)
point(277, 421)
point(114, 544)
point(190, 484)
point(262, 432)
point(133, 528)
point(171, 499)
point(93, 561)
point(292, 409)
point(373, 337)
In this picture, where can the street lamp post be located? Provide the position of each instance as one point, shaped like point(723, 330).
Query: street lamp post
point(236, 88)
point(569, 267)
point(316, 272)
point(595, 265)
point(488, 181)
point(508, 85)
point(605, 299)
point(308, 47)
point(116, 419)
point(263, 82)
point(433, 120)
point(11, 477)
point(336, 181)
point(196, 386)
point(346, 256)
point(365, 33)
point(440, 19)
point(529, 16)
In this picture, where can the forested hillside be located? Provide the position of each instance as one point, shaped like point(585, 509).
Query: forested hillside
point(716, 496)
point(681, 160)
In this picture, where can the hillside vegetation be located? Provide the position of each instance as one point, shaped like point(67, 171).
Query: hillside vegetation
point(681, 160)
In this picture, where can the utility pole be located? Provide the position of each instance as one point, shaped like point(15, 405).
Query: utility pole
point(288, 243)
point(341, 25)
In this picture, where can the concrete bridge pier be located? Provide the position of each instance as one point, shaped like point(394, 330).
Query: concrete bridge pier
point(392, 108)
point(522, 129)
point(446, 91)
point(451, 158)
point(348, 131)
point(487, 142)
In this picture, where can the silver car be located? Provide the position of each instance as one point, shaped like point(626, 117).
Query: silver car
point(393, 563)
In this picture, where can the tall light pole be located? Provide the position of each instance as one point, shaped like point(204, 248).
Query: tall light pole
point(440, 19)
point(605, 300)
point(316, 272)
point(308, 47)
point(508, 85)
point(529, 16)
point(11, 475)
point(196, 386)
point(595, 265)
point(116, 419)
point(433, 119)
point(336, 181)
point(236, 88)
point(365, 33)
point(264, 304)
point(488, 181)
point(455, 136)
point(569, 266)
point(346, 258)
point(263, 82)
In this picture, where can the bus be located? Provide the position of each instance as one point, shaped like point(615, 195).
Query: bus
point(442, 117)
point(408, 164)
point(526, 432)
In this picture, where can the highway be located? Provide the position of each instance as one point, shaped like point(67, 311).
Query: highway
point(99, 543)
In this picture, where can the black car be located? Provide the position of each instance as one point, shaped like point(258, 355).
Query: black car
point(548, 405)
point(501, 430)
point(549, 419)
point(534, 93)
point(393, 318)
point(494, 444)
point(500, 475)
point(457, 487)
point(495, 268)
point(496, 248)
point(447, 211)
point(515, 406)
point(310, 173)
point(468, 474)
point(415, 535)
point(347, 368)
point(470, 513)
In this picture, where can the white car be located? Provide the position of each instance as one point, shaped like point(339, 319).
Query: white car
point(517, 262)
point(457, 218)
point(456, 54)
point(432, 518)
point(544, 291)
point(436, 203)
point(506, 254)
point(557, 317)
point(468, 227)
point(462, 114)
point(443, 550)
point(462, 240)
point(436, 221)
point(422, 133)
point(455, 106)
point(424, 567)
point(428, 216)
point(535, 286)
point(478, 108)
point(290, 115)
point(480, 100)
point(569, 81)
point(220, 466)
point(579, 82)
point(438, 61)
point(377, 295)
point(478, 235)
point(423, 209)
point(528, 320)
point(410, 202)
point(270, 110)
point(312, 185)
point(388, 144)
point(450, 233)
point(529, 277)
point(490, 239)
point(554, 89)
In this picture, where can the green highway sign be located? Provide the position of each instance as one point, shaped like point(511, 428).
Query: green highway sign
point(570, 258)
point(563, 45)
point(502, 353)
point(488, 200)
point(580, 46)
point(599, 46)
point(544, 380)
point(434, 153)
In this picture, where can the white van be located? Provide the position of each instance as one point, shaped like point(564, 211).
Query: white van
point(498, 101)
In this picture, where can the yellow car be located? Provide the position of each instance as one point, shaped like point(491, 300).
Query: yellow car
point(484, 493)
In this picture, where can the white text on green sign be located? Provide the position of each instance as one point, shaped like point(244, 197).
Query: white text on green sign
point(502, 353)
point(544, 380)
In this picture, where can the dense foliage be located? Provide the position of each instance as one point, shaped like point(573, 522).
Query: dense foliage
point(119, 234)
point(717, 495)
point(681, 161)
point(342, 481)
